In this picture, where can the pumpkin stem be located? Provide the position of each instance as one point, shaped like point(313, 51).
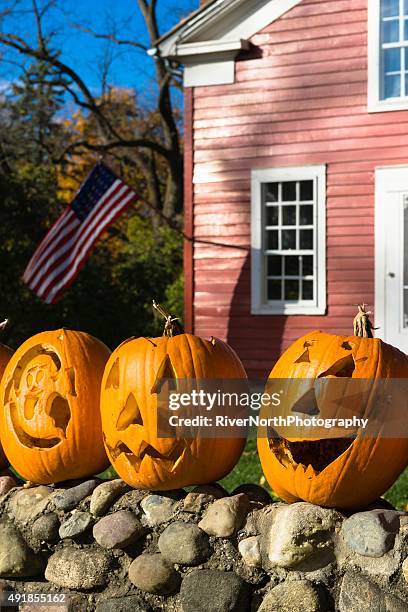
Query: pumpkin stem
point(362, 324)
point(171, 328)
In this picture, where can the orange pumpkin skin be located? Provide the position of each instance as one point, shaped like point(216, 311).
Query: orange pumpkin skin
point(369, 466)
point(129, 412)
point(5, 355)
point(49, 407)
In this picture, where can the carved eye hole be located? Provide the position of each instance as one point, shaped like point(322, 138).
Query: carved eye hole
point(130, 414)
point(165, 371)
point(305, 357)
point(347, 346)
point(342, 368)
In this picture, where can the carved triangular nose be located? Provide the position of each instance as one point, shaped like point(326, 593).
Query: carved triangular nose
point(130, 414)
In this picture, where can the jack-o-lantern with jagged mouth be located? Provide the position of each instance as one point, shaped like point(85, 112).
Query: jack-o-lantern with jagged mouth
point(129, 404)
point(5, 356)
point(50, 413)
point(344, 471)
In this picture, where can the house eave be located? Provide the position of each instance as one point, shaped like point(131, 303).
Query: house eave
point(216, 34)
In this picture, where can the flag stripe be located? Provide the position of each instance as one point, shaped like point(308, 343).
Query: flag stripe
point(70, 278)
point(61, 254)
point(63, 245)
point(59, 223)
point(92, 235)
point(60, 263)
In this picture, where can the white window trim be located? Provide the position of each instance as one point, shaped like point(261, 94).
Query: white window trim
point(374, 102)
point(297, 173)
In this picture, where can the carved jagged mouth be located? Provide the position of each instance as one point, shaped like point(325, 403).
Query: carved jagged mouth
point(25, 438)
point(169, 461)
point(312, 455)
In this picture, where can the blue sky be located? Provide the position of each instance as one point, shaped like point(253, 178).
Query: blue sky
point(130, 67)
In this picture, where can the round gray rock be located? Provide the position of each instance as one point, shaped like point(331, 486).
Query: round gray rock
point(45, 528)
point(17, 560)
point(357, 594)
point(184, 543)
point(105, 494)
point(215, 591)
point(26, 504)
point(372, 533)
point(250, 551)
point(67, 499)
point(293, 596)
point(73, 568)
point(225, 516)
point(118, 530)
point(158, 509)
point(301, 536)
point(78, 523)
point(151, 573)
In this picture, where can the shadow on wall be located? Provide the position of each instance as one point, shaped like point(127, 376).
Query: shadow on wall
point(258, 339)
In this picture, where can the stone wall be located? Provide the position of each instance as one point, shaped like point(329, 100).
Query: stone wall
point(115, 548)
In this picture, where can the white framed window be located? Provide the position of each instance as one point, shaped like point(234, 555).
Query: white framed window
point(387, 55)
point(288, 240)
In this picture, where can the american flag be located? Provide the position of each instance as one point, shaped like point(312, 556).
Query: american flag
point(59, 258)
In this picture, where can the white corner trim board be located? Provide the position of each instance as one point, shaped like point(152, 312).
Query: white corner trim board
point(216, 35)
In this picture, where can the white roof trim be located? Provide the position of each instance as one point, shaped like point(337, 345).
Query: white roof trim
point(208, 43)
point(224, 20)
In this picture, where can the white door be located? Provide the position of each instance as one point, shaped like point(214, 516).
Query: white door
point(391, 255)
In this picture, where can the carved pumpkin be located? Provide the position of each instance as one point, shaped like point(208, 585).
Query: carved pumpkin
point(5, 355)
point(129, 411)
point(343, 472)
point(49, 407)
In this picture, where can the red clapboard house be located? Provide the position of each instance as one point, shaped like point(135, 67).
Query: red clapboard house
point(296, 171)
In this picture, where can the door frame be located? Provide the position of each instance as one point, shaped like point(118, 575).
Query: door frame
point(383, 177)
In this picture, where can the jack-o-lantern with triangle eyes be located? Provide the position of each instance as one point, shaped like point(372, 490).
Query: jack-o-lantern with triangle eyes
point(129, 405)
point(348, 471)
point(5, 356)
point(49, 407)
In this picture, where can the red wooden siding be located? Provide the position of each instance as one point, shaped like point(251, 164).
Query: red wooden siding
point(303, 102)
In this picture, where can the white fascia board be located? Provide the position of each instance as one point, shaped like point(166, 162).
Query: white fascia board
point(226, 20)
point(230, 47)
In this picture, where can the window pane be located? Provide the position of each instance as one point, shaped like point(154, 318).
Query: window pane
point(271, 192)
point(405, 7)
point(405, 29)
point(291, 290)
point(274, 289)
point(392, 86)
point(272, 215)
point(307, 265)
point(292, 265)
point(306, 215)
point(288, 239)
point(307, 290)
point(390, 8)
point(289, 192)
point(392, 60)
point(274, 265)
point(272, 239)
point(390, 31)
point(306, 190)
point(306, 239)
point(288, 215)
